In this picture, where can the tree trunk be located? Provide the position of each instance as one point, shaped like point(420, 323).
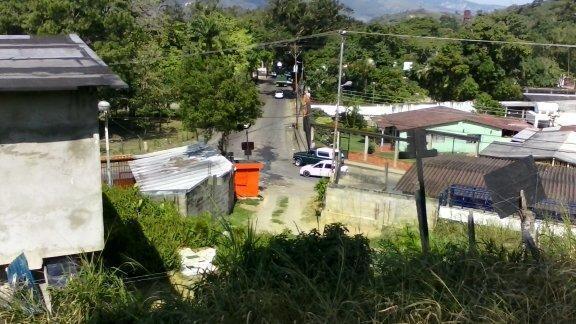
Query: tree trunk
point(223, 143)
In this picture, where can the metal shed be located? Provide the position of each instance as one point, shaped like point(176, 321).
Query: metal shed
point(196, 178)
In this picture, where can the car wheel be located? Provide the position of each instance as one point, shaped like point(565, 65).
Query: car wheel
point(297, 161)
point(306, 173)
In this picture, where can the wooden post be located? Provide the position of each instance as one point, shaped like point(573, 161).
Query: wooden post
point(471, 232)
point(527, 220)
point(421, 197)
point(366, 144)
point(386, 177)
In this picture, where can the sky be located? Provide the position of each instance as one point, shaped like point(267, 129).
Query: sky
point(502, 2)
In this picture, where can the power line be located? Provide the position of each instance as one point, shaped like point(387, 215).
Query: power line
point(457, 39)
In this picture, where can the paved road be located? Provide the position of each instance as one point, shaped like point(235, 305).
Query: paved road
point(275, 141)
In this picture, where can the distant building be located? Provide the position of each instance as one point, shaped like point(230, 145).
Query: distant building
point(451, 130)
point(196, 178)
point(51, 201)
point(551, 146)
point(467, 16)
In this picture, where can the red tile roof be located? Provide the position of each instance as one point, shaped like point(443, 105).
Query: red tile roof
point(442, 171)
point(428, 117)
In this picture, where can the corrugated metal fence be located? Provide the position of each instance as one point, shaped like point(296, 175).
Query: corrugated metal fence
point(120, 171)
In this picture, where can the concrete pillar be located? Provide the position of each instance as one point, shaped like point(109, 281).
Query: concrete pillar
point(382, 140)
point(312, 137)
point(478, 148)
point(396, 151)
point(366, 143)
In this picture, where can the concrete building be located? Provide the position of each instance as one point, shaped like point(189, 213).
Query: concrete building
point(51, 198)
point(451, 130)
point(196, 178)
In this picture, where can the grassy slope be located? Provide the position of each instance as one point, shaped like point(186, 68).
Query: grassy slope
point(333, 277)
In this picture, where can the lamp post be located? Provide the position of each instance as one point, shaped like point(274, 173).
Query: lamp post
point(104, 107)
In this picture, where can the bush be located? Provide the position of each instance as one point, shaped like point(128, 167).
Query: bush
point(147, 234)
point(320, 189)
point(371, 148)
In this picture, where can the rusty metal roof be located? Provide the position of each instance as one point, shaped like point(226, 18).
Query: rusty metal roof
point(30, 63)
point(442, 171)
point(428, 117)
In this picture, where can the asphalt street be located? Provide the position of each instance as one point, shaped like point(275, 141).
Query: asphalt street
point(274, 139)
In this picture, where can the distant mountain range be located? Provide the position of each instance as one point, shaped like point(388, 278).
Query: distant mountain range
point(371, 9)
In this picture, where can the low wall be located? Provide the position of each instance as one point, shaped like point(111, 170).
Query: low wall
point(492, 219)
point(368, 211)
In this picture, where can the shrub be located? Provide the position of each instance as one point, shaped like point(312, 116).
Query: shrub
point(320, 189)
point(148, 234)
point(371, 148)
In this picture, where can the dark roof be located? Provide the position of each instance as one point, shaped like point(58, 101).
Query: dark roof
point(30, 63)
point(542, 145)
point(442, 171)
point(428, 117)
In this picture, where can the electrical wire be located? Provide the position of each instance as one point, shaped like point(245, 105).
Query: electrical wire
point(458, 39)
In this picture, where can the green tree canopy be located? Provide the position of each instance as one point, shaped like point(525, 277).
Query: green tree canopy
point(214, 98)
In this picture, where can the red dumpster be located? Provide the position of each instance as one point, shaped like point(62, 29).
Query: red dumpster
point(246, 179)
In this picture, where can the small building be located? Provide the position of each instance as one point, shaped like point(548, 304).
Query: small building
point(51, 201)
point(196, 178)
point(451, 130)
point(458, 181)
point(551, 146)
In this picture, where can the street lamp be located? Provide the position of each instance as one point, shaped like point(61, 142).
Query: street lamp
point(104, 108)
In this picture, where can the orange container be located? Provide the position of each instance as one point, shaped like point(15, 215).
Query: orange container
point(247, 178)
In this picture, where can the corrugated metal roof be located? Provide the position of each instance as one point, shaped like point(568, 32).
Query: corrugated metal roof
point(178, 169)
point(442, 171)
point(560, 145)
point(51, 63)
point(428, 117)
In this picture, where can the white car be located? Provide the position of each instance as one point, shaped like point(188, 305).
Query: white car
point(279, 94)
point(320, 169)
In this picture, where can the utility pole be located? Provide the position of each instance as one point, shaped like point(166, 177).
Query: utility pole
point(295, 51)
point(336, 156)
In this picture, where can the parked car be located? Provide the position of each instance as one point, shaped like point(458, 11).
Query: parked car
point(279, 94)
point(314, 156)
point(321, 169)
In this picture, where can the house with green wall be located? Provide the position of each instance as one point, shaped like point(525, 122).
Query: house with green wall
point(451, 130)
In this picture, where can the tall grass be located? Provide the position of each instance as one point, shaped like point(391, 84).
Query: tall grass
point(330, 276)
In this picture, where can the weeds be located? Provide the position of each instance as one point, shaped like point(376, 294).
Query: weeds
point(329, 276)
point(281, 206)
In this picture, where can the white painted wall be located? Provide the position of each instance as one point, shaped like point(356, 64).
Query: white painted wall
point(377, 110)
point(492, 219)
point(50, 189)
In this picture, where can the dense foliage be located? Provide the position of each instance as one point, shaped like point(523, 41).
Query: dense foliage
point(160, 48)
point(143, 236)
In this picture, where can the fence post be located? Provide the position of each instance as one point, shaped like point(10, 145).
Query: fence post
point(471, 232)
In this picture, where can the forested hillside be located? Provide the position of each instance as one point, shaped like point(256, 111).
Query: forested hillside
point(157, 46)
